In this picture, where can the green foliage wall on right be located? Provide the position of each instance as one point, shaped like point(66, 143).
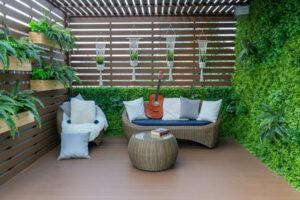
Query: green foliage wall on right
point(269, 73)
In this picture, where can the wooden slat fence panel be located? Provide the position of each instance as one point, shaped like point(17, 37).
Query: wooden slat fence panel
point(220, 32)
point(32, 142)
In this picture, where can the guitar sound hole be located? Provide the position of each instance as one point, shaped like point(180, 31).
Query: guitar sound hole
point(156, 103)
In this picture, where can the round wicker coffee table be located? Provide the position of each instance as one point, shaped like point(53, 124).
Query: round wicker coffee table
point(152, 153)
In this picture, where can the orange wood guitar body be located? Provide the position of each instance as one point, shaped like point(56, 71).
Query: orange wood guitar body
point(154, 110)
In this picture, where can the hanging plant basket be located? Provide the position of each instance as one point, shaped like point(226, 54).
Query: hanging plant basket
point(170, 45)
point(202, 58)
point(20, 120)
point(44, 85)
point(134, 55)
point(100, 60)
point(41, 39)
point(15, 64)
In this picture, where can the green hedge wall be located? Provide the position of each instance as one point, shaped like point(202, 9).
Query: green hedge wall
point(271, 71)
point(110, 100)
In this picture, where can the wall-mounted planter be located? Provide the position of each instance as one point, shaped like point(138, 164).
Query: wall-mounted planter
point(20, 120)
point(40, 38)
point(44, 85)
point(15, 64)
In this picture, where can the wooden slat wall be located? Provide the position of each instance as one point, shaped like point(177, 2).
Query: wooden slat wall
point(220, 31)
point(32, 142)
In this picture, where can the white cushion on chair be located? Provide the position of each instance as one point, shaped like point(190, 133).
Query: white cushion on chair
point(135, 109)
point(210, 110)
point(171, 109)
point(82, 111)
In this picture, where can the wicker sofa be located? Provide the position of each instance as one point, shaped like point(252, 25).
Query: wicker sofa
point(206, 135)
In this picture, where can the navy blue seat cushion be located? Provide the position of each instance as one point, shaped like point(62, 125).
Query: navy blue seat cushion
point(155, 122)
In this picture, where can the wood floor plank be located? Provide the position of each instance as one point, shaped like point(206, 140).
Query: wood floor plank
point(227, 172)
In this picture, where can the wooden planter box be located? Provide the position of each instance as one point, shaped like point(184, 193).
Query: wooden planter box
point(40, 38)
point(17, 65)
point(21, 119)
point(44, 85)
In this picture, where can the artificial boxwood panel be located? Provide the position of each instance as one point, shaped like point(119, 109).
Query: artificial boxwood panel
point(110, 99)
point(269, 74)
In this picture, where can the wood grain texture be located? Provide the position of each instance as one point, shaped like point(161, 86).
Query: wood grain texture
point(227, 172)
point(44, 85)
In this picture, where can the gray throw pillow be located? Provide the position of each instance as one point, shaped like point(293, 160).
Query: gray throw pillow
point(189, 109)
point(66, 107)
point(74, 145)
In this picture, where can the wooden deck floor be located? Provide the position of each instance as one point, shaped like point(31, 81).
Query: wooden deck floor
point(227, 172)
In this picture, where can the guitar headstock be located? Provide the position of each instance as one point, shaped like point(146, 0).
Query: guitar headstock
point(160, 75)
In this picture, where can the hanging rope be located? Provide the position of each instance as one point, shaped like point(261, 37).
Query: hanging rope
point(100, 57)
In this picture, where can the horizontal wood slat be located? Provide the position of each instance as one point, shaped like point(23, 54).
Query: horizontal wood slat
point(114, 31)
point(32, 142)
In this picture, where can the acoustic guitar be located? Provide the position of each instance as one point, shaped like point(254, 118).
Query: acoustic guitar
point(154, 110)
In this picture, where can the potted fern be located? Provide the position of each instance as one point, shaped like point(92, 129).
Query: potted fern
point(17, 54)
point(18, 108)
point(48, 77)
point(48, 33)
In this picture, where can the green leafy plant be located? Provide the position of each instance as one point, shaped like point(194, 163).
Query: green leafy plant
point(53, 32)
point(100, 60)
point(18, 101)
point(26, 50)
point(7, 111)
point(134, 56)
point(6, 48)
point(248, 50)
point(170, 56)
point(202, 57)
point(21, 49)
point(273, 123)
point(65, 74)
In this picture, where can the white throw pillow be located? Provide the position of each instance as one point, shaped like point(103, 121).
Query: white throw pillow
point(74, 146)
point(135, 109)
point(82, 111)
point(210, 110)
point(171, 109)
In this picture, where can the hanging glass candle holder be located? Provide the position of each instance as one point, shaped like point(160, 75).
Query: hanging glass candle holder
point(202, 57)
point(170, 42)
point(134, 54)
point(100, 60)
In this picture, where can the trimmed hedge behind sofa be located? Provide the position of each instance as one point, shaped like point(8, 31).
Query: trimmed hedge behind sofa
point(110, 99)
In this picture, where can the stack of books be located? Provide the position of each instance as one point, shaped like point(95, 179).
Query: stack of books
point(159, 132)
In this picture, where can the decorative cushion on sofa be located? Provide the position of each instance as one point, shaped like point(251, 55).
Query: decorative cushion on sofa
point(189, 108)
point(153, 122)
point(74, 145)
point(82, 111)
point(171, 109)
point(66, 107)
point(135, 109)
point(210, 110)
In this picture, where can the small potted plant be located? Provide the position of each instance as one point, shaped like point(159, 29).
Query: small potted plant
point(17, 54)
point(48, 33)
point(100, 62)
point(202, 61)
point(170, 59)
point(48, 77)
point(134, 58)
point(18, 108)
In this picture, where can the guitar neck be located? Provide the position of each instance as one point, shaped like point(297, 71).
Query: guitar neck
point(157, 90)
